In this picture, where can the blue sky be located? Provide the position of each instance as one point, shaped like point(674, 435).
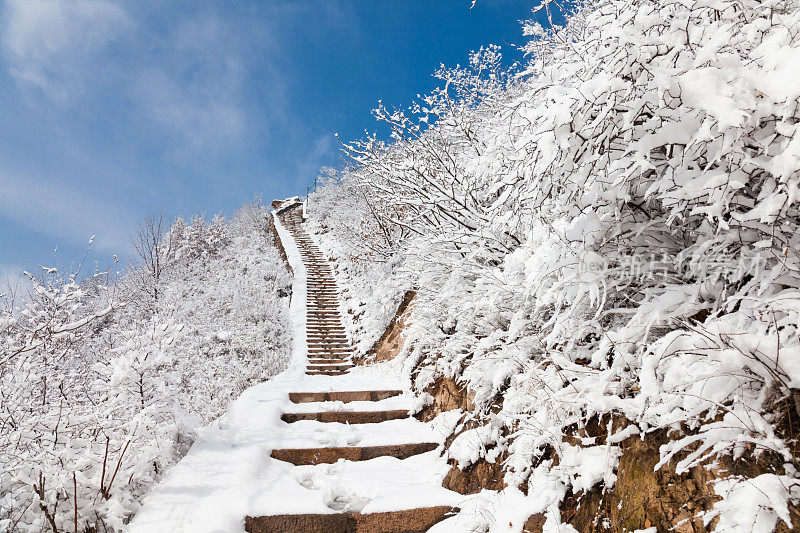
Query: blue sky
point(113, 111)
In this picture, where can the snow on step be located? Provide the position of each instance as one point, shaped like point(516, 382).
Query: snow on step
point(387, 472)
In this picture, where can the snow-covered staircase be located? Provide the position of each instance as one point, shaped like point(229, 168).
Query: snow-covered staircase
point(330, 354)
point(322, 447)
point(329, 350)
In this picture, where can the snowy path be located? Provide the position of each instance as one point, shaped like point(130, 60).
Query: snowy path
point(230, 472)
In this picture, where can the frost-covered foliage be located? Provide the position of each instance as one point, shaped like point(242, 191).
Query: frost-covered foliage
point(611, 227)
point(362, 249)
point(104, 382)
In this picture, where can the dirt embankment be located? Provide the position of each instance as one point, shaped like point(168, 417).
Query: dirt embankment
point(391, 342)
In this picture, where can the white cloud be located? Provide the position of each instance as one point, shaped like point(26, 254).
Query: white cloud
point(199, 115)
point(65, 213)
point(52, 45)
point(194, 88)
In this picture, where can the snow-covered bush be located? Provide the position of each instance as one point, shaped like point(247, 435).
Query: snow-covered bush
point(104, 382)
point(611, 227)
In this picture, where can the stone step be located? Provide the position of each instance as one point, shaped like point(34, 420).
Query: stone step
point(324, 347)
point(325, 372)
point(328, 361)
point(406, 521)
point(340, 362)
point(343, 396)
point(315, 456)
point(347, 417)
point(332, 368)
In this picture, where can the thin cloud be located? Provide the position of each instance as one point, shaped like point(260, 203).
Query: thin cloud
point(52, 46)
point(311, 163)
point(199, 117)
point(194, 85)
point(59, 211)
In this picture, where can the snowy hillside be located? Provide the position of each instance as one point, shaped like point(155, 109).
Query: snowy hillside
point(106, 381)
point(605, 245)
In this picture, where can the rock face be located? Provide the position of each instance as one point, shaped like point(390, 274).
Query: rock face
point(476, 477)
point(277, 239)
point(643, 497)
point(447, 395)
point(391, 342)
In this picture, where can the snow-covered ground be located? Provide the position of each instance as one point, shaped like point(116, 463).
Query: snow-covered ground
point(228, 473)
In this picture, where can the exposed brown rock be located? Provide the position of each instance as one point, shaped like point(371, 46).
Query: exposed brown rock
point(534, 524)
point(391, 342)
point(476, 477)
point(276, 238)
point(447, 395)
point(643, 497)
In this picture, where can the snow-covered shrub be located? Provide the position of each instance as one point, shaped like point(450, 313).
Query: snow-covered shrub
point(103, 385)
point(611, 227)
